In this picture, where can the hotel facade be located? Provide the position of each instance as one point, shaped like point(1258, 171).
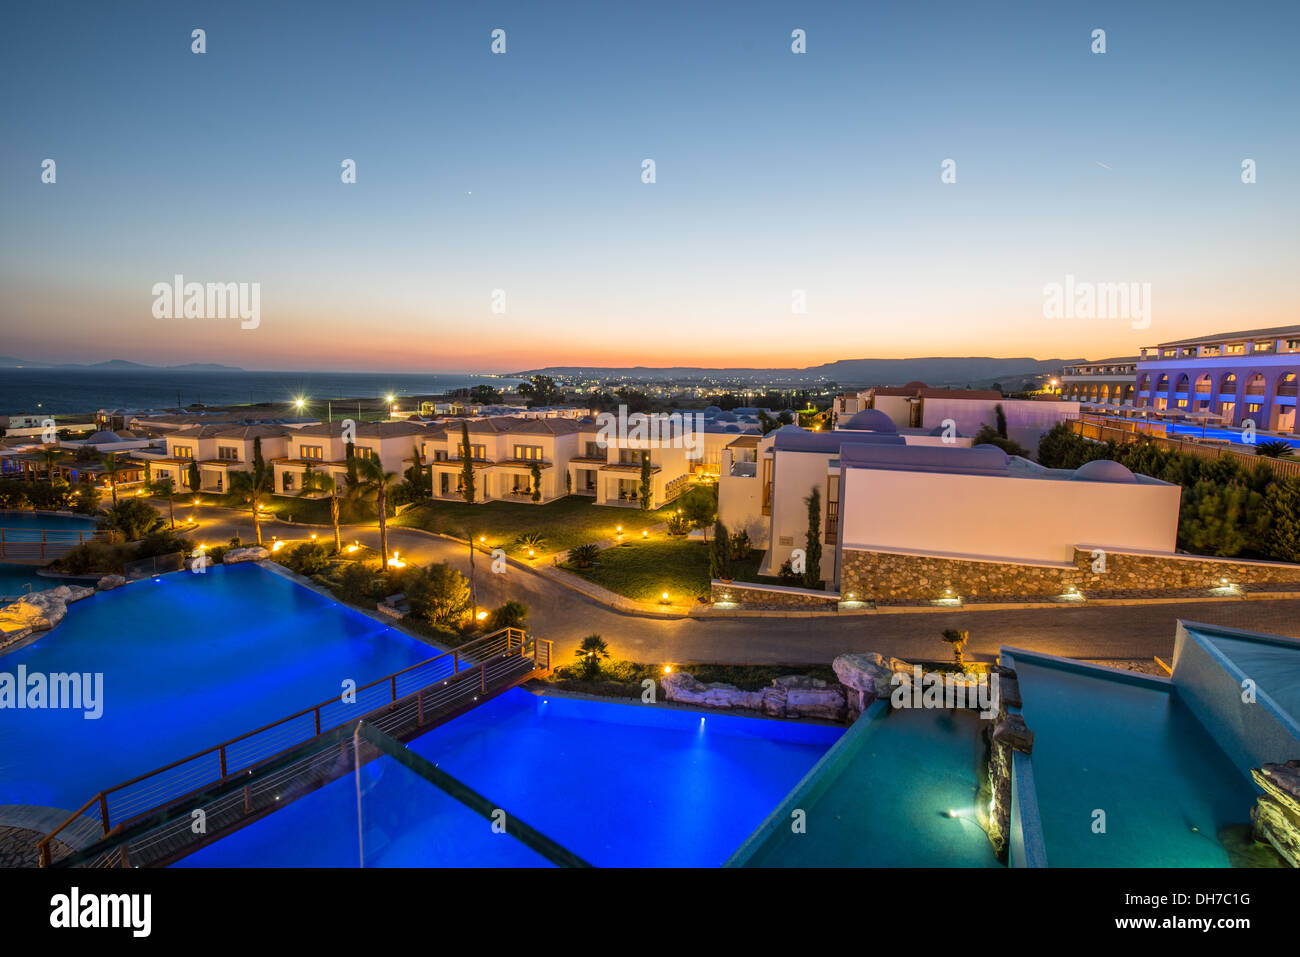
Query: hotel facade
point(1240, 376)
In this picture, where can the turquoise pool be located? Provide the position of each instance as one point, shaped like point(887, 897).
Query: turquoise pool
point(23, 526)
point(188, 661)
point(1127, 746)
point(899, 791)
point(616, 784)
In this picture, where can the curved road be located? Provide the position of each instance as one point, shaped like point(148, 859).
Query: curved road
point(565, 616)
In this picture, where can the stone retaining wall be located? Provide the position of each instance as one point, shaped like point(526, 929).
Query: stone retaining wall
point(771, 596)
point(893, 576)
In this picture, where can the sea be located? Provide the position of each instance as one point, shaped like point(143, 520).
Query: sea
point(73, 391)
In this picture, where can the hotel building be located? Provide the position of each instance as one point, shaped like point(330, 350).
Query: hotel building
point(1238, 375)
point(1104, 382)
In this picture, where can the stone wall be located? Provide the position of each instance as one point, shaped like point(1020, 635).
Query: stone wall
point(771, 596)
point(895, 576)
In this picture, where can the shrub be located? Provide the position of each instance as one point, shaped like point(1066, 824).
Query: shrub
point(93, 557)
point(531, 540)
point(163, 542)
point(741, 548)
point(132, 517)
point(308, 558)
point(584, 556)
point(720, 552)
point(511, 614)
point(958, 641)
point(677, 524)
point(354, 582)
point(439, 594)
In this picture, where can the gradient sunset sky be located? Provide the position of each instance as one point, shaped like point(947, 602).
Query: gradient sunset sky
point(522, 172)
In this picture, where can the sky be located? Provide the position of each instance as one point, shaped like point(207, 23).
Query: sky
point(520, 176)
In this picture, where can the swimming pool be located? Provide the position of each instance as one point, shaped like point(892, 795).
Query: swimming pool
point(616, 784)
point(25, 526)
point(188, 661)
point(898, 791)
point(1126, 775)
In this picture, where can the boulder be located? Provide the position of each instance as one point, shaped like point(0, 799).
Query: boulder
point(682, 687)
point(109, 582)
point(254, 553)
point(803, 697)
point(870, 672)
point(28, 615)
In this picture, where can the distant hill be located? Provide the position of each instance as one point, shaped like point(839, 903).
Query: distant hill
point(934, 370)
point(112, 365)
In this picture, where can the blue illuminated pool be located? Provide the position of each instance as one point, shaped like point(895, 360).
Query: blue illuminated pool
point(25, 526)
point(616, 784)
point(188, 661)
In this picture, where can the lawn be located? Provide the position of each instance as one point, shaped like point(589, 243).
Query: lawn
point(566, 522)
point(644, 570)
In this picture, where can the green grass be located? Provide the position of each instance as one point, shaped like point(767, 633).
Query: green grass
point(566, 522)
point(644, 570)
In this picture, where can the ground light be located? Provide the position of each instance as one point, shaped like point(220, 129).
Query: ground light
point(668, 669)
point(277, 546)
point(396, 562)
point(664, 598)
point(481, 615)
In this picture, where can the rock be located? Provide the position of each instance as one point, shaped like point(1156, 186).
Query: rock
point(870, 672)
point(253, 553)
point(109, 582)
point(1276, 814)
point(1013, 733)
point(27, 615)
point(682, 687)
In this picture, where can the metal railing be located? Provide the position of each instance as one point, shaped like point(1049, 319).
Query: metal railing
point(404, 704)
point(154, 565)
point(1092, 427)
point(21, 544)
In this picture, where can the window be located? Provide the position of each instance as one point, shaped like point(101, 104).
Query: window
point(530, 453)
point(312, 451)
point(1236, 349)
point(440, 455)
point(594, 451)
point(183, 451)
point(288, 481)
point(1293, 344)
point(1264, 346)
point(227, 453)
point(362, 452)
point(629, 456)
point(476, 452)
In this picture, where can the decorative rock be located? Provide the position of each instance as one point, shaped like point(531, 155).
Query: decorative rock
point(109, 582)
point(253, 553)
point(1013, 733)
point(1276, 814)
point(870, 672)
point(682, 686)
point(791, 696)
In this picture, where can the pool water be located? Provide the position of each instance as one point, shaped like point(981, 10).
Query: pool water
point(1137, 753)
point(886, 799)
point(616, 784)
point(14, 580)
point(188, 661)
point(1274, 668)
point(22, 526)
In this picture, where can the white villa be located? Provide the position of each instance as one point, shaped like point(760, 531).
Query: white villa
point(915, 495)
point(217, 449)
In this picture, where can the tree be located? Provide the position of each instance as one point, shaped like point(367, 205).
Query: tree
point(647, 488)
point(315, 483)
point(249, 488)
point(720, 553)
point(466, 464)
point(259, 463)
point(376, 481)
point(416, 487)
point(193, 475)
point(1001, 419)
point(133, 517)
point(510, 614)
point(812, 573)
point(541, 390)
point(483, 394)
point(958, 641)
point(590, 654)
point(1221, 519)
point(535, 479)
point(111, 469)
point(568, 482)
point(700, 508)
point(50, 456)
point(990, 436)
point(1283, 500)
point(167, 489)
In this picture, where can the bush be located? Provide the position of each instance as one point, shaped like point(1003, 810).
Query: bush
point(132, 518)
point(677, 524)
point(439, 594)
point(93, 557)
point(354, 582)
point(163, 542)
point(741, 548)
point(591, 655)
point(309, 558)
point(584, 556)
point(990, 436)
point(511, 614)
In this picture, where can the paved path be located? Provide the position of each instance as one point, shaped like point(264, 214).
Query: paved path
point(565, 616)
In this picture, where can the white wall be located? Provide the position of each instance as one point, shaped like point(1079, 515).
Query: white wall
point(1029, 519)
point(740, 502)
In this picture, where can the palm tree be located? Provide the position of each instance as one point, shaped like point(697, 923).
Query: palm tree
point(1274, 449)
point(375, 481)
point(249, 487)
point(590, 654)
point(110, 470)
point(167, 488)
point(958, 641)
point(50, 456)
point(316, 482)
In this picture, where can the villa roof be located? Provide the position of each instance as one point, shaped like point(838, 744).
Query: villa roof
point(365, 430)
point(1272, 332)
point(921, 390)
point(792, 438)
point(538, 426)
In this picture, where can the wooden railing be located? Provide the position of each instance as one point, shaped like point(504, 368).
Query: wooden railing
point(22, 545)
point(1110, 430)
point(405, 703)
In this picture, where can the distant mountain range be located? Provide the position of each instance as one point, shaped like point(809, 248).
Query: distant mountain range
point(934, 370)
point(9, 362)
